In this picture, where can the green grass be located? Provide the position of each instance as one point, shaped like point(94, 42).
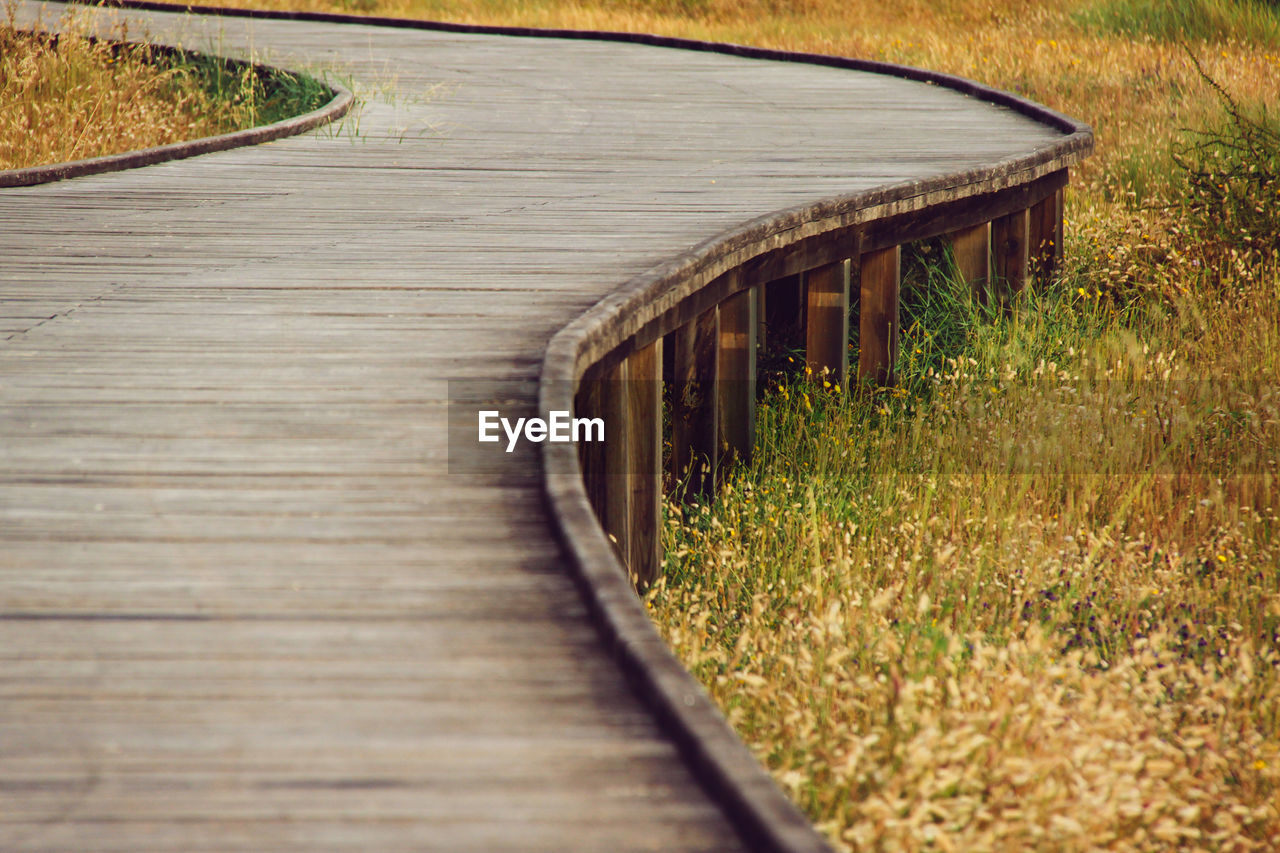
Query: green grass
point(74, 97)
point(1184, 20)
point(248, 96)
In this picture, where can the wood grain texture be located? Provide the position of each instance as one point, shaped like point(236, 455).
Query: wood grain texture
point(878, 323)
point(971, 249)
point(1011, 259)
point(737, 388)
point(695, 413)
point(827, 321)
point(644, 464)
point(247, 602)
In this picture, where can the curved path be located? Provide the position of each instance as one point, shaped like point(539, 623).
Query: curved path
point(245, 602)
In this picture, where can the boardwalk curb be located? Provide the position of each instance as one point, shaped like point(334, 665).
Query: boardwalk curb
point(336, 108)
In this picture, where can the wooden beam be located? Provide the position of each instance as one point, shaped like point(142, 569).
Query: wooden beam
point(1042, 237)
point(695, 421)
point(588, 402)
point(1009, 255)
point(879, 278)
point(644, 464)
point(1059, 224)
point(1046, 235)
point(971, 249)
point(762, 327)
point(826, 343)
point(610, 496)
point(944, 218)
point(737, 386)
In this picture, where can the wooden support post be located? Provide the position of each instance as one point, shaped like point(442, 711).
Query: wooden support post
point(1059, 220)
point(762, 326)
point(644, 464)
point(695, 422)
point(785, 303)
point(737, 386)
point(827, 321)
point(611, 496)
point(1043, 237)
point(878, 315)
point(589, 403)
point(971, 249)
point(1009, 253)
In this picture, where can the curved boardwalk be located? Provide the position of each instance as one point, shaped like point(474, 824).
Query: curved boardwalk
point(244, 603)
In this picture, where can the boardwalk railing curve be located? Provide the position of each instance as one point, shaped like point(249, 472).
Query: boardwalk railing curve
point(702, 312)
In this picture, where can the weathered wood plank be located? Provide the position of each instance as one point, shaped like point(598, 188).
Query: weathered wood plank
point(695, 414)
point(737, 387)
point(879, 278)
point(644, 464)
point(1044, 239)
point(971, 250)
point(827, 321)
point(1011, 261)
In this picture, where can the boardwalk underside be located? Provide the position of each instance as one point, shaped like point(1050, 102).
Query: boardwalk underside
point(245, 603)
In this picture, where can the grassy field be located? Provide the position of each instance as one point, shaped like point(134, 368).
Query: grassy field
point(73, 98)
point(1030, 598)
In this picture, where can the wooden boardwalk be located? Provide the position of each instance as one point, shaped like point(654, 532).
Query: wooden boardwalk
point(245, 604)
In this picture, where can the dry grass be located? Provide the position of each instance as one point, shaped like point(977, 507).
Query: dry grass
point(72, 98)
point(1029, 601)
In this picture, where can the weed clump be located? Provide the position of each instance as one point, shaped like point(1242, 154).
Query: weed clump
point(71, 97)
point(1232, 200)
point(1201, 20)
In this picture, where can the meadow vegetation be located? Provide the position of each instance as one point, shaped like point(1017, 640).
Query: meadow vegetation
point(73, 97)
point(1030, 597)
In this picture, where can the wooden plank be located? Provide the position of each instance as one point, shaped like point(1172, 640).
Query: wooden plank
point(827, 322)
point(695, 421)
point(644, 464)
point(591, 402)
point(762, 327)
point(615, 408)
point(971, 250)
point(1045, 236)
point(1010, 260)
point(737, 386)
point(878, 315)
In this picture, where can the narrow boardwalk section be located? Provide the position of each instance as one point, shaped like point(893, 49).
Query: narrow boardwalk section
point(246, 602)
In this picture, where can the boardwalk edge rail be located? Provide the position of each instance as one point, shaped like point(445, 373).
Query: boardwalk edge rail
point(1019, 193)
